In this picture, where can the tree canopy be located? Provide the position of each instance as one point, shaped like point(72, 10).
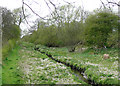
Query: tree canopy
point(98, 26)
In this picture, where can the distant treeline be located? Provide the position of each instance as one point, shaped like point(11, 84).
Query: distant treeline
point(69, 26)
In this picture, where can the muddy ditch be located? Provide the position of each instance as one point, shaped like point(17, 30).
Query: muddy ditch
point(78, 72)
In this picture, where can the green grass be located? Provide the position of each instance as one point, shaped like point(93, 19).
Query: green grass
point(10, 73)
point(0, 74)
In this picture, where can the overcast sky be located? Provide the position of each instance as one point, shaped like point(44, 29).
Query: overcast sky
point(40, 7)
point(88, 4)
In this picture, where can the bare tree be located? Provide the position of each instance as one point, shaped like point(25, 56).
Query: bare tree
point(49, 3)
point(0, 35)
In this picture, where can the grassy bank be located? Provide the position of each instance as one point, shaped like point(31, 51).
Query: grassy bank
point(96, 68)
point(10, 73)
point(0, 74)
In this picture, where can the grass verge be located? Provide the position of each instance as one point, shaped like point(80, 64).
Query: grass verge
point(10, 72)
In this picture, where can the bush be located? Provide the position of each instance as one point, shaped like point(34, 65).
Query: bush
point(8, 47)
point(98, 26)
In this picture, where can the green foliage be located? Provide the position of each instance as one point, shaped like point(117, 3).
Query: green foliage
point(0, 74)
point(74, 33)
point(8, 47)
point(112, 40)
point(46, 36)
point(97, 30)
point(62, 30)
point(98, 26)
point(7, 17)
point(52, 36)
point(11, 31)
point(27, 45)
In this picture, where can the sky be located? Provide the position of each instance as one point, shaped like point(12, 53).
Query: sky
point(88, 4)
point(41, 8)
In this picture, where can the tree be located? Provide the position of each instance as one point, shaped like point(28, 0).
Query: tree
point(98, 26)
point(11, 31)
point(70, 20)
point(18, 15)
point(112, 40)
point(9, 28)
point(65, 29)
point(7, 17)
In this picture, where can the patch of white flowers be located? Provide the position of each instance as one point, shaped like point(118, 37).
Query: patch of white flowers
point(89, 63)
point(105, 70)
point(110, 71)
point(38, 70)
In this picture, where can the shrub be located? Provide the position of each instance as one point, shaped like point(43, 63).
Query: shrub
point(8, 47)
point(98, 26)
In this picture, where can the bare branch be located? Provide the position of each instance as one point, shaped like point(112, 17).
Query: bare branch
point(107, 5)
point(48, 6)
point(66, 2)
point(103, 3)
point(114, 3)
point(34, 11)
point(58, 16)
point(53, 4)
point(35, 2)
point(24, 13)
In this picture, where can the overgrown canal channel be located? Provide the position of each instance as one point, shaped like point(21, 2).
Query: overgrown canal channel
point(78, 72)
point(30, 64)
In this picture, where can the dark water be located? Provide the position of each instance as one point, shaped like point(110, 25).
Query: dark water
point(80, 76)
